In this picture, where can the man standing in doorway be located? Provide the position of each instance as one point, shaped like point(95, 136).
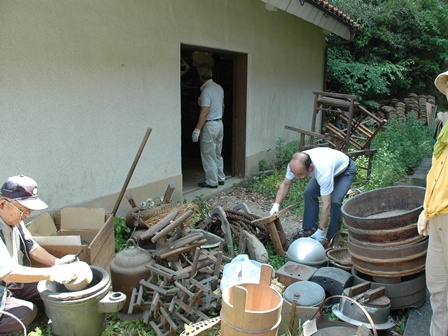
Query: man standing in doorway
point(210, 129)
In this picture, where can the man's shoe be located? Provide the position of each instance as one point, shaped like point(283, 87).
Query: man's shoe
point(303, 233)
point(206, 185)
point(221, 182)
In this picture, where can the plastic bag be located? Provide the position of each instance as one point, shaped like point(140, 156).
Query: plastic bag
point(239, 271)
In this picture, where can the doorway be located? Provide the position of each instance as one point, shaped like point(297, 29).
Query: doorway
point(229, 71)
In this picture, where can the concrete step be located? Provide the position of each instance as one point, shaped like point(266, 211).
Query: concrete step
point(419, 320)
point(419, 177)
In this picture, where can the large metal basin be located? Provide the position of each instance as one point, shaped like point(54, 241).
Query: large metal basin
point(385, 215)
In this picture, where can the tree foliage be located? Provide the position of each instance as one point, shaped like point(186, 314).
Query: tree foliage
point(401, 47)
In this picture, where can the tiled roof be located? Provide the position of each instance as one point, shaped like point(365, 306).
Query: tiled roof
point(335, 12)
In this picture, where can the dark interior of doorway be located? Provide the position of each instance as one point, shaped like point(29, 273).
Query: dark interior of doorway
point(223, 74)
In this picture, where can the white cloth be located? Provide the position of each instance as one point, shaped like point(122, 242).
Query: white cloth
point(212, 96)
point(327, 164)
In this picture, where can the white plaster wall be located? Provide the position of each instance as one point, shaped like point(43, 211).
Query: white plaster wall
point(81, 81)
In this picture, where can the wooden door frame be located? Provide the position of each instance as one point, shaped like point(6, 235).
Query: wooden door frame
point(239, 122)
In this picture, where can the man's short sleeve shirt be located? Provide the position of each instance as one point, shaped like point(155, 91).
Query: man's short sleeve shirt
point(328, 163)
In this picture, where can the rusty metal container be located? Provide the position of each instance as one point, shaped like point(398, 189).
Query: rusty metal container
point(128, 268)
point(385, 216)
point(389, 262)
point(410, 292)
point(383, 238)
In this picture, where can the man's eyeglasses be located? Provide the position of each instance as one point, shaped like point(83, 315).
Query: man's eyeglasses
point(27, 212)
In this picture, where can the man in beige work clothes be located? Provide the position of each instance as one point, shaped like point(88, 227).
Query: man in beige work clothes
point(433, 221)
point(210, 129)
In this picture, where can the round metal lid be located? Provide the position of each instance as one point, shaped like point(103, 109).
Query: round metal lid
point(310, 293)
point(307, 251)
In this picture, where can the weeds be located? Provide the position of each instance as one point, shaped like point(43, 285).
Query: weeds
point(117, 326)
point(122, 233)
point(401, 147)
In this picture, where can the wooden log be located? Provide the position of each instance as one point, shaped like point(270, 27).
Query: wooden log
point(172, 226)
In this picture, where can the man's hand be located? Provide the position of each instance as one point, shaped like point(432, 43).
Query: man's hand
point(274, 209)
point(63, 274)
point(423, 224)
point(195, 135)
point(68, 259)
point(442, 117)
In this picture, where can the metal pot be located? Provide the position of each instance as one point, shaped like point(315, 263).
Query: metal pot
point(128, 268)
point(307, 251)
point(80, 312)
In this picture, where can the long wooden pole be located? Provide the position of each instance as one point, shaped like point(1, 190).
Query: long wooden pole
point(131, 171)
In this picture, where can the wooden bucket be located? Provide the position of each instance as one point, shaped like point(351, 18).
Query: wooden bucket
point(252, 309)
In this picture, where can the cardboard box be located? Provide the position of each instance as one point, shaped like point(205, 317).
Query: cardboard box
point(97, 236)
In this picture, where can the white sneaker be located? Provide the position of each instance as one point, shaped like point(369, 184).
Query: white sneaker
point(319, 235)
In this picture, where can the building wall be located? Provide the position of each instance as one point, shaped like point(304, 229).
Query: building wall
point(81, 81)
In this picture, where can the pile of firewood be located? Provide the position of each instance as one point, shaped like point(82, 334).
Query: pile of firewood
point(422, 106)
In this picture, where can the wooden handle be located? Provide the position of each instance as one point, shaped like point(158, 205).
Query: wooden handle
point(273, 217)
point(265, 276)
point(239, 299)
point(131, 171)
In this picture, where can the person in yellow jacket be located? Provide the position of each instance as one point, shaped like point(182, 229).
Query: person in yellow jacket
point(433, 221)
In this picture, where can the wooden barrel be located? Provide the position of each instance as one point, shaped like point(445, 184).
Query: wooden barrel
point(385, 216)
point(252, 309)
point(389, 262)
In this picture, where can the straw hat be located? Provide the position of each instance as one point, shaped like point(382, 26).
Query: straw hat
point(441, 82)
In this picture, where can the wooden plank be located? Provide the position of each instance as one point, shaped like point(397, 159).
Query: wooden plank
point(310, 133)
point(271, 218)
point(168, 193)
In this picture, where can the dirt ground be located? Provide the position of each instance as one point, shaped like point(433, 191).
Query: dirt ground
point(257, 204)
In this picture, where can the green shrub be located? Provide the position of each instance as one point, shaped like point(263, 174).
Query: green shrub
point(122, 233)
point(284, 151)
point(401, 147)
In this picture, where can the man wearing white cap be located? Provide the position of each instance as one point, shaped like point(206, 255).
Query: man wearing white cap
point(433, 221)
point(18, 197)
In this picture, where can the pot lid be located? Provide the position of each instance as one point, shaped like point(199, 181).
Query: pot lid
point(307, 251)
point(131, 257)
point(310, 294)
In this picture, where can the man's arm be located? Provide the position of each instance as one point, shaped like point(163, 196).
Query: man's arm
point(25, 274)
point(325, 213)
point(42, 256)
point(202, 115)
point(283, 190)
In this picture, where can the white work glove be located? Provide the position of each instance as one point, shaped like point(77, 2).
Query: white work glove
point(68, 259)
point(423, 224)
point(195, 135)
point(319, 235)
point(274, 209)
point(442, 117)
point(63, 274)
